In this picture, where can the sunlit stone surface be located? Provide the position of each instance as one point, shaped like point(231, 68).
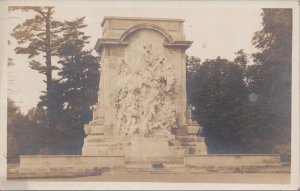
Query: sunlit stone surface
point(142, 111)
point(146, 92)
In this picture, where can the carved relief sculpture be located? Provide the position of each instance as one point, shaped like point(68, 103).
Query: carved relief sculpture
point(145, 100)
point(142, 98)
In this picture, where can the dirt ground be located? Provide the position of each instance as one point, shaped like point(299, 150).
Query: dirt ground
point(265, 177)
point(249, 178)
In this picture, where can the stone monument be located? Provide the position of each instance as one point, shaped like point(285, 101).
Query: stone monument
point(142, 110)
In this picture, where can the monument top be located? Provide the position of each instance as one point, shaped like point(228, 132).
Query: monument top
point(117, 30)
point(140, 18)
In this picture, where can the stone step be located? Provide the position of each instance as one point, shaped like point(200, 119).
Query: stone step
point(189, 139)
point(149, 166)
point(149, 163)
point(181, 169)
point(150, 169)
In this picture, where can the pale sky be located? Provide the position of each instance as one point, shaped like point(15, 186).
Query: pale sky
point(214, 31)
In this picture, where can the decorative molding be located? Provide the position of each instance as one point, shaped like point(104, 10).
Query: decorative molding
point(169, 43)
point(178, 44)
point(156, 28)
point(140, 18)
point(102, 42)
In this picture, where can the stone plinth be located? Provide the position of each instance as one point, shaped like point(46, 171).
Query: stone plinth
point(76, 165)
point(99, 145)
point(151, 149)
point(230, 160)
point(135, 148)
point(193, 145)
point(57, 163)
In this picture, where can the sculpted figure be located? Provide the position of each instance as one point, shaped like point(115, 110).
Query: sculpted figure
point(188, 114)
point(145, 100)
point(95, 112)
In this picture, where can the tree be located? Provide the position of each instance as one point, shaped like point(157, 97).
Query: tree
point(247, 108)
point(218, 91)
point(39, 36)
point(14, 119)
point(193, 65)
point(26, 133)
point(67, 98)
point(242, 58)
point(271, 77)
point(80, 69)
point(77, 86)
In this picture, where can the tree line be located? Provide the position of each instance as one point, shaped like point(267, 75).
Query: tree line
point(246, 107)
point(243, 107)
point(55, 125)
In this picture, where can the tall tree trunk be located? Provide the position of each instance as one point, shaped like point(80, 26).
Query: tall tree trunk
point(49, 93)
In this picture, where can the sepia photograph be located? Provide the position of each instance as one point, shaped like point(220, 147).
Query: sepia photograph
point(149, 95)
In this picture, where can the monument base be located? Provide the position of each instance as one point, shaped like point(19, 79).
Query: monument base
point(133, 148)
point(45, 166)
point(184, 141)
point(192, 144)
point(99, 145)
point(67, 163)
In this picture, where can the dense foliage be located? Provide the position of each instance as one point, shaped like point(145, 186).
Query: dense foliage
point(219, 93)
point(56, 126)
point(36, 37)
point(247, 107)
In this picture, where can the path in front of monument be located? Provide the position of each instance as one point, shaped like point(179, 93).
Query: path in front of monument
point(248, 178)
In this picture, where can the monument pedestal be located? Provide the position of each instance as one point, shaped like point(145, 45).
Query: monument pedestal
point(135, 148)
point(99, 145)
point(151, 149)
point(193, 145)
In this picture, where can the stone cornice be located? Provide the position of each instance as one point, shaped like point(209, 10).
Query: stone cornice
point(141, 18)
point(178, 44)
point(101, 42)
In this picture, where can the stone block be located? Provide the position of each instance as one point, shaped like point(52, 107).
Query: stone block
point(149, 149)
point(52, 163)
point(193, 129)
point(94, 129)
point(230, 160)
